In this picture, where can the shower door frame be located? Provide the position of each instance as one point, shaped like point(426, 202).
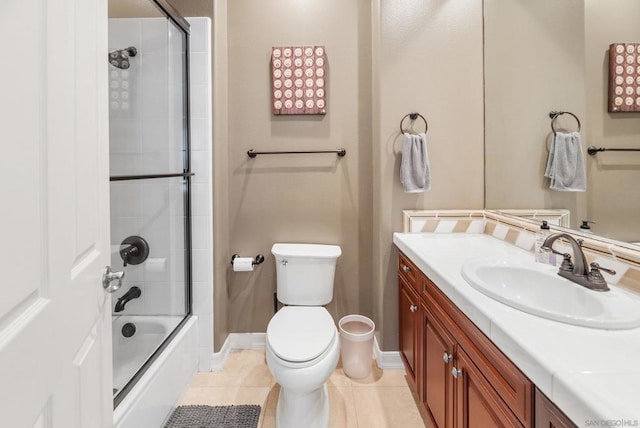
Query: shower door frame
point(173, 16)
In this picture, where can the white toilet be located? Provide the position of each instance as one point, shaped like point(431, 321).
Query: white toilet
point(303, 345)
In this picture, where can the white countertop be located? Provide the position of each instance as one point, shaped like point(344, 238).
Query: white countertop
point(592, 375)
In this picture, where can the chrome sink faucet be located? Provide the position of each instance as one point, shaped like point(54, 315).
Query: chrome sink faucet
point(577, 270)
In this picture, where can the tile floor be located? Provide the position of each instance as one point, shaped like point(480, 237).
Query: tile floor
point(381, 400)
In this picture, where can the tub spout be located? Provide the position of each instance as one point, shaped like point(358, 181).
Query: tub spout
point(133, 293)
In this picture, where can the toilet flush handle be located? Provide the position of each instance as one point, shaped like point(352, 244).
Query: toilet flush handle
point(284, 262)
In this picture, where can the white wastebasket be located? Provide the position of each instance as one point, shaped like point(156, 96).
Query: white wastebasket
point(356, 345)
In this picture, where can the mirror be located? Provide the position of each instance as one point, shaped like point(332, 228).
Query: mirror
point(546, 55)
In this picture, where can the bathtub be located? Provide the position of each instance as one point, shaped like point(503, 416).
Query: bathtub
point(149, 402)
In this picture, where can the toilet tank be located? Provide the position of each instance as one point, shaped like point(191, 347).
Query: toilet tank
point(305, 273)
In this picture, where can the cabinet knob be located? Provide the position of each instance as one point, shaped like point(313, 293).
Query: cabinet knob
point(456, 372)
point(413, 308)
point(405, 268)
point(447, 358)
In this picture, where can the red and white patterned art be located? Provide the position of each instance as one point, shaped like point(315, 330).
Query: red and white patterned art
point(624, 77)
point(298, 80)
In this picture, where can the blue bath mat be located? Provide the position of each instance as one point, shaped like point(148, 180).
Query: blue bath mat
point(243, 416)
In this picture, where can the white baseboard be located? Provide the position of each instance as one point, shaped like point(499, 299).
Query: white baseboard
point(234, 342)
point(386, 360)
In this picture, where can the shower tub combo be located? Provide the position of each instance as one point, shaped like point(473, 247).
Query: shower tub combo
point(155, 335)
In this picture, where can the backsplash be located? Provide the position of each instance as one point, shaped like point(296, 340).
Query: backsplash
point(520, 232)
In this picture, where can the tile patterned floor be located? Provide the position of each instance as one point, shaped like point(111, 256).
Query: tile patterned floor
point(381, 400)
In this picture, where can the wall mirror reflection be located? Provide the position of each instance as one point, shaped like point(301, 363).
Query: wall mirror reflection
point(549, 55)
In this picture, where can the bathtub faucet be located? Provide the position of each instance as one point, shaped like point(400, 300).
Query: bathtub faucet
point(133, 293)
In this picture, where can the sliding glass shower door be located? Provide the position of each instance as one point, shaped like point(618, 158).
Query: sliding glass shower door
point(150, 183)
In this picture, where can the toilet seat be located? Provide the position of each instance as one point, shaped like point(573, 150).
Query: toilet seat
point(300, 334)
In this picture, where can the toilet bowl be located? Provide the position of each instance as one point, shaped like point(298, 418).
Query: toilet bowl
point(303, 345)
point(303, 349)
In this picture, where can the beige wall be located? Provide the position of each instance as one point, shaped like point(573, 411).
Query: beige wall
point(292, 198)
point(613, 196)
point(427, 58)
point(384, 62)
point(534, 63)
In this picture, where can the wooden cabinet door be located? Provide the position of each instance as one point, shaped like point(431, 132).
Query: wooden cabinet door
point(477, 403)
point(548, 415)
point(438, 355)
point(409, 323)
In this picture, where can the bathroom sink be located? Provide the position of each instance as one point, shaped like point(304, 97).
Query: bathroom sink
point(537, 289)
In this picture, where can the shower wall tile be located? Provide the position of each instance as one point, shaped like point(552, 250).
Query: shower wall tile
point(155, 136)
point(201, 232)
point(176, 203)
point(124, 32)
point(177, 267)
point(153, 35)
point(158, 267)
point(156, 233)
point(201, 262)
point(200, 101)
point(124, 163)
point(202, 294)
point(199, 202)
point(155, 198)
point(126, 199)
point(202, 193)
point(124, 136)
point(158, 296)
point(200, 61)
point(154, 67)
point(205, 330)
point(201, 167)
point(156, 163)
point(154, 99)
point(200, 134)
point(121, 227)
point(200, 34)
point(176, 39)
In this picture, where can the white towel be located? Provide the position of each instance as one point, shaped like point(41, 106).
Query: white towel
point(415, 174)
point(565, 164)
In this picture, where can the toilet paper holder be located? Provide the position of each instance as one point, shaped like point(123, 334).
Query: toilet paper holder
point(256, 261)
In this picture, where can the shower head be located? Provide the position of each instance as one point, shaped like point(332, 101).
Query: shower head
point(120, 58)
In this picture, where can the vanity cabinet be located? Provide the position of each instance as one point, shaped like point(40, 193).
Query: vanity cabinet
point(548, 415)
point(409, 311)
point(461, 377)
point(439, 349)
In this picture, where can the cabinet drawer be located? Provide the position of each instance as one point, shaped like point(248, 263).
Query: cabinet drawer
point(511, 385)
point(409, 271)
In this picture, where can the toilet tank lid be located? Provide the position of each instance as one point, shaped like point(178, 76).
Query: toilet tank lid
point(306, 250)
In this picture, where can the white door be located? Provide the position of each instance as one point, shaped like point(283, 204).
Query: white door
point(55, 334)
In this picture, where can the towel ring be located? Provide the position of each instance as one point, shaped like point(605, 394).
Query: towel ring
point(414, 116)
point(554, 115)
